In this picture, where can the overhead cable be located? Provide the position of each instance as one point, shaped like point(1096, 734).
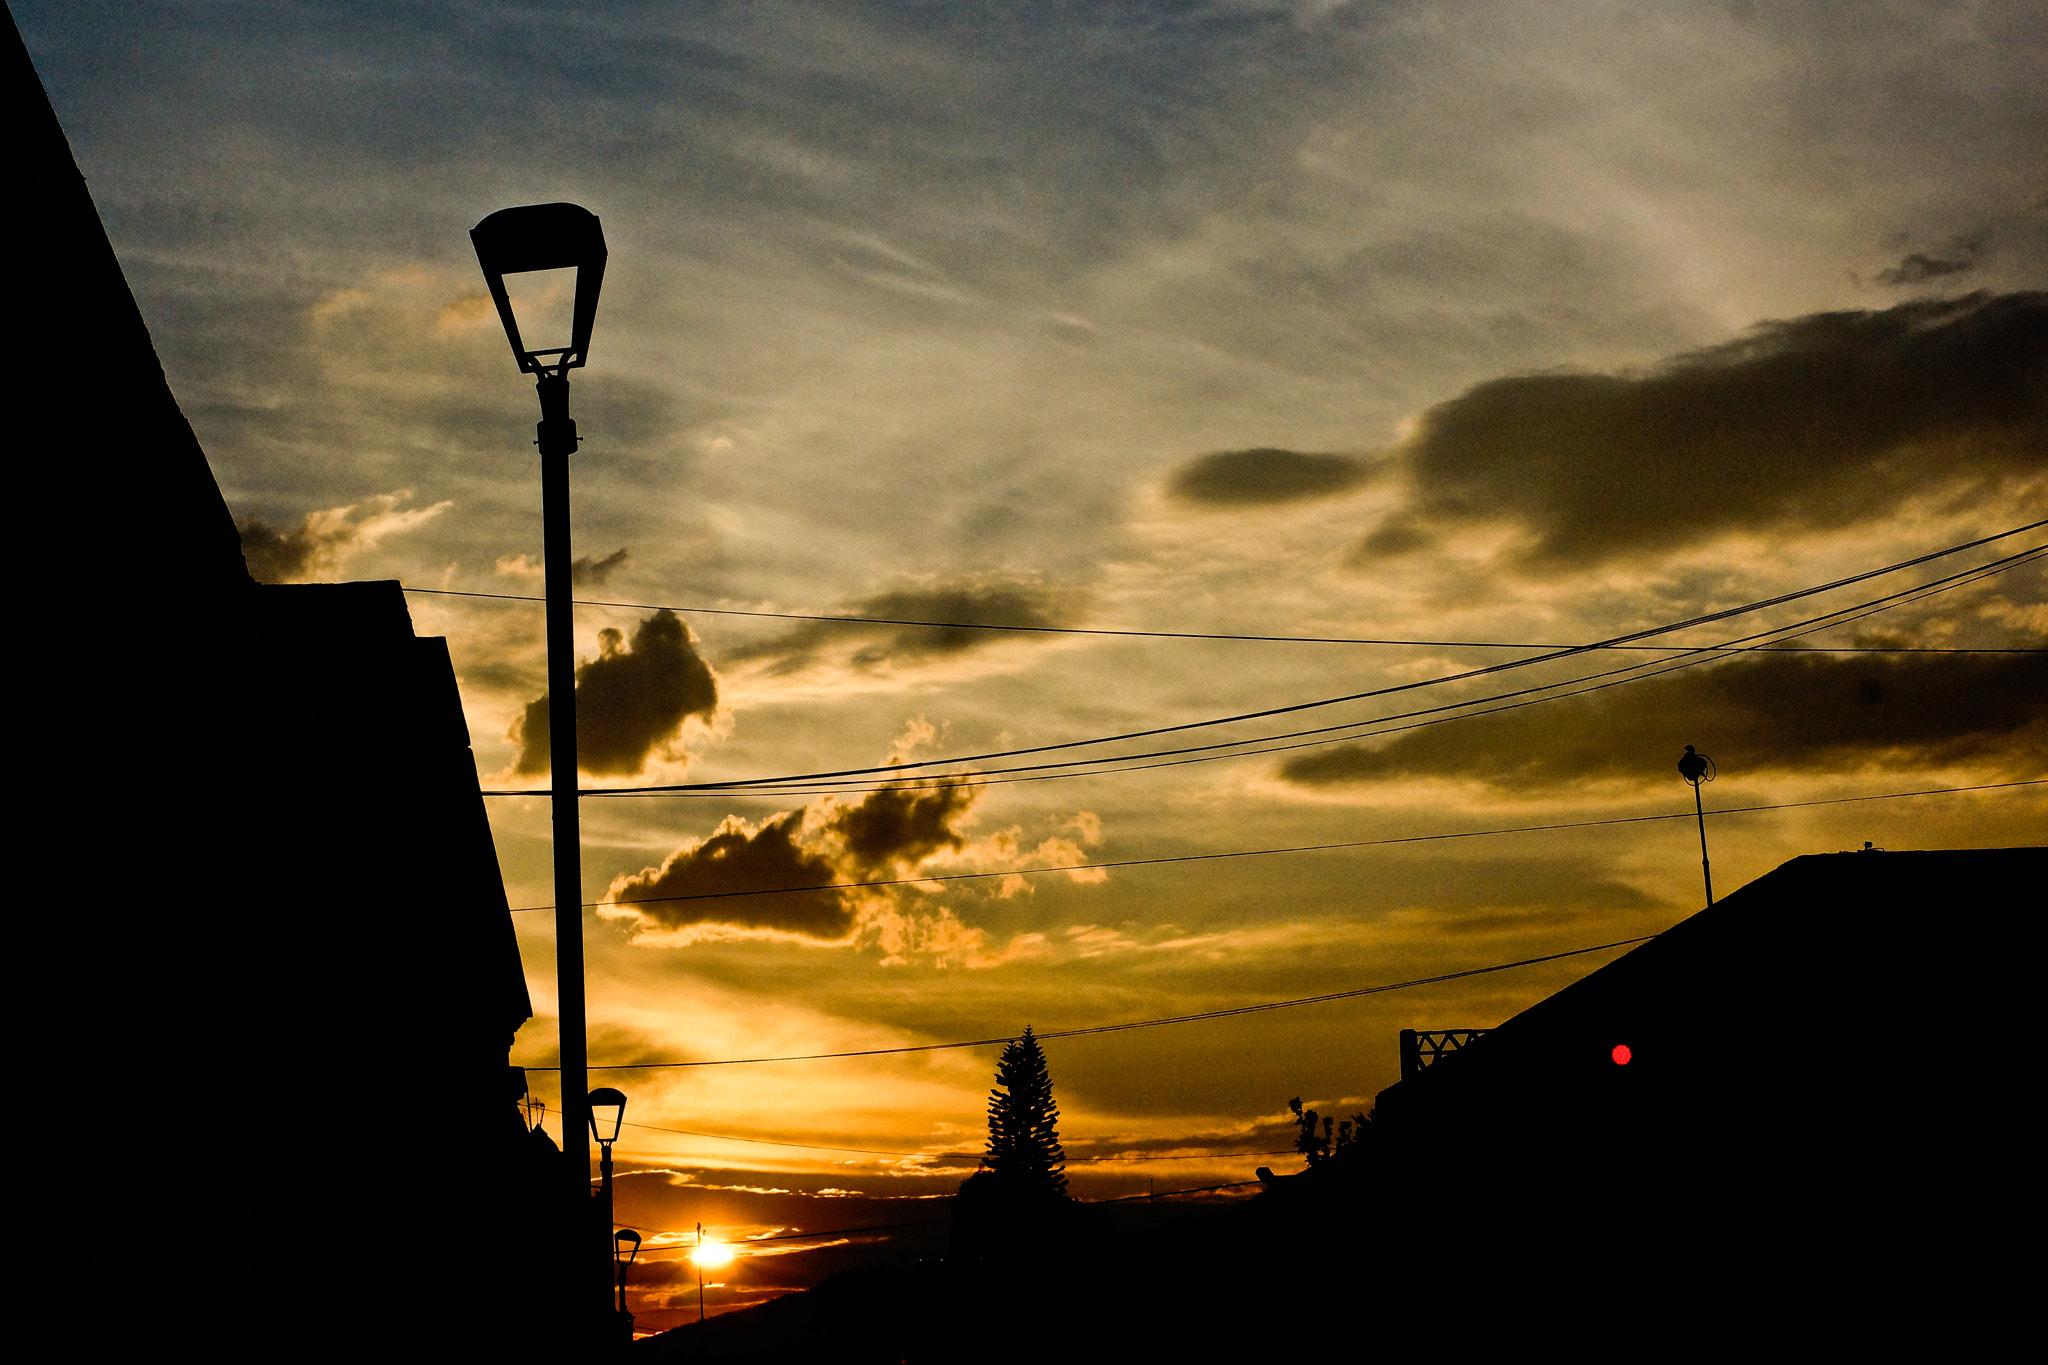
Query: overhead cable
point(1113, 864)
point(1203, 1016)
point(873, 1151)
point(899, 770)
point(841, 619)
point(1319, 736)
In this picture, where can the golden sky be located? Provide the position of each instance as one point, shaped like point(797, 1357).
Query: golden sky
point(1473, 323)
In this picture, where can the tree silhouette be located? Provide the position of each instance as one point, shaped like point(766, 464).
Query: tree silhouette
point(1335, 1139)
point(1024, 1152)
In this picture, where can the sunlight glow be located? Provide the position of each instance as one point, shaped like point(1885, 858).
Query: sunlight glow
point(712, 1256)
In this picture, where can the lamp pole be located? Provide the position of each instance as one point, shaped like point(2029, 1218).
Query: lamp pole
point(621, 1239)
point(551, 237)
point(1697, 768)
point(557, 444)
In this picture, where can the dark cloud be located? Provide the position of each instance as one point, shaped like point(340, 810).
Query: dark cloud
point(320, 541)
point(275, 556)
point(902, 824)
point(1237, 478)
point(1918, 267)
point(734, 860)
point(1822, 421)
point(1762, 713)
point(589, 572)
point(894, 828)
point(981, 602)
point(630, 700)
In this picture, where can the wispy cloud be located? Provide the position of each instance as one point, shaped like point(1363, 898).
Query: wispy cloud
point(321, 542)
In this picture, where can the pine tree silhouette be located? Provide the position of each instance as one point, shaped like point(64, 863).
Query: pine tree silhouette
point(1024, 1150)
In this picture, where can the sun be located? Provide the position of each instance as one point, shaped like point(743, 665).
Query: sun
point(712, 1255)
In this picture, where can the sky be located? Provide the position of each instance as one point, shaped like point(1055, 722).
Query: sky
point(1467, 325)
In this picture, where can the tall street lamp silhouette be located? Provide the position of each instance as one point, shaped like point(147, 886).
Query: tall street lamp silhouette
point(548, 343)
point(1697, 768)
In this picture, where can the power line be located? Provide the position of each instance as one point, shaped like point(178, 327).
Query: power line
point(1436, 715)
point(921, 1223)
point(901, 769)
point(873, 1151)
point(1227, 1013)
point(1158, 634)
point(1113, 864)
point(1360, 729)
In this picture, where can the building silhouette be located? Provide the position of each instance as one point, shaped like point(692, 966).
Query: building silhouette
point(269, 978)
point(1794, 1111)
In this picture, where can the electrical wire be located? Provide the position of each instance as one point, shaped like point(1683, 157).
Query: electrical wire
point(1205, 1015)
point(1153, 634)
point(744, 1243)
point(1114, 864)
point(872, 1151)
point(1361, 729)
point(899, 770)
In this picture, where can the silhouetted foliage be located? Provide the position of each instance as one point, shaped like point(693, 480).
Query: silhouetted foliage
point(1332, 1138)
point(1024, 1150)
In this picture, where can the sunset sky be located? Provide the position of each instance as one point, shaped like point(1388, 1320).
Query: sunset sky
point(1469, 324)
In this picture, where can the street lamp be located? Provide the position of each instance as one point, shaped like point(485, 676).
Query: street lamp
point(623, 1259)
point(516, 241)
point(607, 1109)
point(1697, 768)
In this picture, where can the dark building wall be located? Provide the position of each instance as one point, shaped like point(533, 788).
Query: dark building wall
point(266, 968)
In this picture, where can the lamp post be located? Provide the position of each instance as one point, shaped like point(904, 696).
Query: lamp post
point(607, 1110)
point(607, 1115)
point(623, 1259)
point(552, 237)
point(1697, 768)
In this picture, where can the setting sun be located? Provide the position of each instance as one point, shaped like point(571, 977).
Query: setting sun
point(712, 1256)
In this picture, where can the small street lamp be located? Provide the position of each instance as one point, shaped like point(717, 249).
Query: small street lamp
point(1697, 768)
point(514, 242)
point(625, 1246)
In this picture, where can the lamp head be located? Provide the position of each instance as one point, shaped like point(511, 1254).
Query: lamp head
point(543, 237)
point(607, 1114)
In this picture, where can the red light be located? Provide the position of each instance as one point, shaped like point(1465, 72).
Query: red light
point(1621, 1054)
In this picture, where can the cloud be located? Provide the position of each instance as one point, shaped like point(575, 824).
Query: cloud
point(1918, 267)
point(630, 700)
point(902, 825)
point(1237, 478)
point(985, 601)
point(588, 572)
point(893, 829)
point(321, 541)
point(1823, 421)
point(1762, 713)
point(788, 877)
point(742, 858)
